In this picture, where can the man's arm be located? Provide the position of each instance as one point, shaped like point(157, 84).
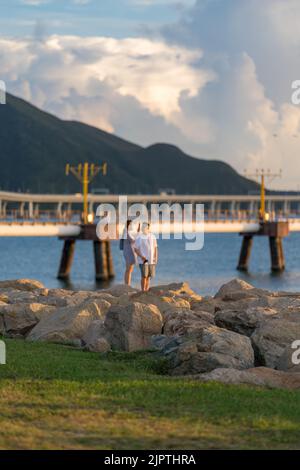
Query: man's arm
point(156, 255)
point(140, 254)
point(137, 250)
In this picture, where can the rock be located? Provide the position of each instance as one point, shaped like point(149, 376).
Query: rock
point(209, 349)
point(183, 321)
point(206, 304)
point(259, 376)
point(2, 328)
point(119, 290)
point(67, 324)
point(95, 339)
point(14, 296)
point(4, 299)
point(181, 290)
point(20, 319)
point(238, 289)
point(272, 337)
point(243, 321)
point(162, 303)
point(22, 284)
point(130, 327)
point(289, 361)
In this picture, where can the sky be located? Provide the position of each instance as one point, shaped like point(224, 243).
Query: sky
point(213, 77)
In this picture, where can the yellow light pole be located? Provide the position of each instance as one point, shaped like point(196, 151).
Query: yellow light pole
point(262, 210)
point(85, 173)
point(262, 174)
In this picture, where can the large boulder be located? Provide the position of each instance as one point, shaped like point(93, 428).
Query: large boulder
point(20, 319)
point(181, 289)
point(163, 303)
point(289, 360)
point(68, 324)
point(15, 296)
point(210, 348)
point(238, 289)
point(22, 284)
point(96, 337)
point(183, 321)
point(130, 327)
point(273, 336)
point(119, 290)
point(259, 376)
point(243, 321)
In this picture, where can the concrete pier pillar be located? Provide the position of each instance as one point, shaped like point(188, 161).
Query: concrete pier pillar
point(110, 263)
point(277, 254)
point(66, 259)
point(245, 253)
point(101, 261)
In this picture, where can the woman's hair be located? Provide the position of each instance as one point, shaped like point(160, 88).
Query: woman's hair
point(129, 222)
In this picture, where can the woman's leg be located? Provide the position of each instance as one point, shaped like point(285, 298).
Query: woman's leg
point(128, 274)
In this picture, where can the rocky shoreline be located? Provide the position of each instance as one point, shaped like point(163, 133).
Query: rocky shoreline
point(242, 335)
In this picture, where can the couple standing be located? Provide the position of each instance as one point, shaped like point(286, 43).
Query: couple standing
point(140, 247)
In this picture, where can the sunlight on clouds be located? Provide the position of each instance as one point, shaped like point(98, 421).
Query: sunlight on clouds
point(54, 72)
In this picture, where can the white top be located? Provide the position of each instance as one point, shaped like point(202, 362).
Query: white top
point(146, 244)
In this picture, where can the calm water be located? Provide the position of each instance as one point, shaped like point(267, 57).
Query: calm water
point(206, 270)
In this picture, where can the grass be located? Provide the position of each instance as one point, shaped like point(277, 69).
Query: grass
point(56, 397)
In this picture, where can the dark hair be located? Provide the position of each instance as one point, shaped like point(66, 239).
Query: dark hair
point(128, 223)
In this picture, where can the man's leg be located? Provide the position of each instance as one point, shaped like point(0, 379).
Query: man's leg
point(144, 284)
point(148, 283)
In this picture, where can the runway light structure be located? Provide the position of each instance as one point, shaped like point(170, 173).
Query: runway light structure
point(263, 175)
point(85, 173)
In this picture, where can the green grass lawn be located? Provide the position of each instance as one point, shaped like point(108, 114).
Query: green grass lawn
point(56, 397)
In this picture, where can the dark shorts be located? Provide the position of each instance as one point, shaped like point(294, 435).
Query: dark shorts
point(147, 270)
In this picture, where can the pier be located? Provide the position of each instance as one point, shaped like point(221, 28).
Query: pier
point(38, 215)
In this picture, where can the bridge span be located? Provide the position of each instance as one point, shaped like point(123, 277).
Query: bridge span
point(67, 207)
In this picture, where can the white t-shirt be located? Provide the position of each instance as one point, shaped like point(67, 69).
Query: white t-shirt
point(146, 244)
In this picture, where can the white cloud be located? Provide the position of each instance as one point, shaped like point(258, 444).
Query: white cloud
point(253, 49)
point(91, 78)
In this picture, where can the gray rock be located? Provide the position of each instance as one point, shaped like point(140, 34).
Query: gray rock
point(181, 290)
point(19, 319)
point(68, 324)
point(243, 321)
point(210, 348)
point(183, 321)
point(289, 361)
point(163, 303)
point(22, 284)
point(238, 289)
point(272, 337)
point(96, 337)
point(130, 327)
point(259, 376)
point(119, 290)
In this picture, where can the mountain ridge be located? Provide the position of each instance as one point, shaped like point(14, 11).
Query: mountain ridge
point(37, 145)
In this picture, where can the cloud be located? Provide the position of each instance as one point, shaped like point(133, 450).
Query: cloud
point(217, 82)
point(253, 49)
point(103, 81)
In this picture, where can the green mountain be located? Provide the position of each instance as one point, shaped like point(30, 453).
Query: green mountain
point(35, 147)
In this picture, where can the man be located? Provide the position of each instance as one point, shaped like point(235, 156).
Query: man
point(146, 249)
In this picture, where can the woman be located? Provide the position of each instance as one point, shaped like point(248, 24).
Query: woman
point(127, 245)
